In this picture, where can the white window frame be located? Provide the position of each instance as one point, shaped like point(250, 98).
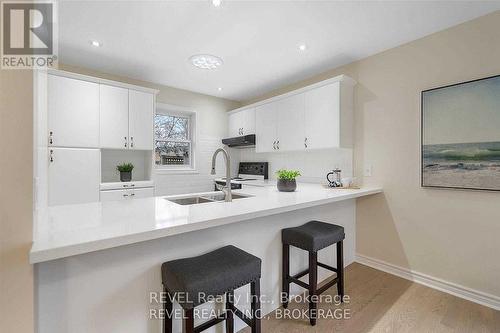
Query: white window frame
point(174, 110)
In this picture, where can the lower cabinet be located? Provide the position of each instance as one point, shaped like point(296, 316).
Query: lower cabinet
point(114, 195)
point(73, 175)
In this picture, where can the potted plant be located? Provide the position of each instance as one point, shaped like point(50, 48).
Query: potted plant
point(125, 171)
point(286, 180)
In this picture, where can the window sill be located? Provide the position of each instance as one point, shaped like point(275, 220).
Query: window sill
point(166, 171)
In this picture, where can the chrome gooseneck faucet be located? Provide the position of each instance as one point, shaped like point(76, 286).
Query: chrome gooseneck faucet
point(227, 188)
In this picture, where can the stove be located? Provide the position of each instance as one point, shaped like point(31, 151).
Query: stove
point(247, 171)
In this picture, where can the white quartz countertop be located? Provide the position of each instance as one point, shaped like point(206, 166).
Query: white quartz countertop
point(68, 230)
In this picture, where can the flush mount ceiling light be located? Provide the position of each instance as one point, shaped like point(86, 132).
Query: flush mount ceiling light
point(219, 89)
point(302, 47)
point(206, 61)
point(216, 3)
point(95, 43)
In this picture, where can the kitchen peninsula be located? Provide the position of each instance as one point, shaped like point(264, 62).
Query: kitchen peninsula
point(74, 246)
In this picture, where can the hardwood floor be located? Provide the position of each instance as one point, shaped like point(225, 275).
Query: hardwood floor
point(381, 302)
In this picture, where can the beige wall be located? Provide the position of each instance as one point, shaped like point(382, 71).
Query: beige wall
point(448, 234)
point(16, 163)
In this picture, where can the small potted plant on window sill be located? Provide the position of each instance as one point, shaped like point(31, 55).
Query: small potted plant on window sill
point(286, 180)
point(125, 171)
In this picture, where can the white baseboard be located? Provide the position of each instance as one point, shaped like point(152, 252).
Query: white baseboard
point(472, 295)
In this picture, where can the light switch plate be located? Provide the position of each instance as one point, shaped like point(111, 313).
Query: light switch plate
point(368, 170)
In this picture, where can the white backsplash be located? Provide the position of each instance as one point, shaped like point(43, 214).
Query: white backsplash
point(313, 165)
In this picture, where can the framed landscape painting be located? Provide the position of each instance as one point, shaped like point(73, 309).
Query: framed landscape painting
point(461, 135)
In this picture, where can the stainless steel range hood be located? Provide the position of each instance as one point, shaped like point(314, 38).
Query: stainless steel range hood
point(244, 141)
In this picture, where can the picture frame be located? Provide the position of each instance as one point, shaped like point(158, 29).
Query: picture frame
point(460, 135)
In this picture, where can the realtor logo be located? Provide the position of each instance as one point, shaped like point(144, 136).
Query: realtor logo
point(28, 35)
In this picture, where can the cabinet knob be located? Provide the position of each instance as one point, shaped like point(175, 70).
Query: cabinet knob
point(51, 156)
point(51, 141)
point(305, 143)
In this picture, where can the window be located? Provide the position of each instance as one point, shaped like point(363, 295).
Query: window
point(173, 139)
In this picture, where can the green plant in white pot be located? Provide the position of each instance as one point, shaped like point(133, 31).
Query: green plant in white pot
point(286, 180)
point(125, 171)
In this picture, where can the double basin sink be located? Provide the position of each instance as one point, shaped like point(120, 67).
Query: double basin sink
point(204, 198)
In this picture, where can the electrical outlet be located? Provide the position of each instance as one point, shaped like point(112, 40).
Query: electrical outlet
point(368, 170)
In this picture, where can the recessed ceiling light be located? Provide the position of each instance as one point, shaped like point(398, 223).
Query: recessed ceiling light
point(206, 61)
point(216, 3)
point(302, 47)
point(219, 89)
point(95, 43)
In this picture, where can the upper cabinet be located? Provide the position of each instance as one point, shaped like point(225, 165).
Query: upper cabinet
point(266, 116)
point(242, 122)
point(140, 120)
point(114, 117)
point(73, 112)
point(126, 118)
point(315, 117)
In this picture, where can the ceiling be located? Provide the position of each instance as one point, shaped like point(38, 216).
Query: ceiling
point(257, 40)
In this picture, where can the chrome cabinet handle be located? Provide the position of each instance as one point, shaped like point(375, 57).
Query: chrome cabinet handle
point(305, 143)
point(274, 144)
point(131, 142)
point(125, 144)
point(278, 144)
point(125, 195)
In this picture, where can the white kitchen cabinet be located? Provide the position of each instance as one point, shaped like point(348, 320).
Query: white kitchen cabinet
point(114, 195)
point(114, 117)
point(73, 175)
point(290, 123)
point(266, 117)
point(328, 121)
point(314, 117)
point(242, 122)
point(73, 112)
point(141, 105)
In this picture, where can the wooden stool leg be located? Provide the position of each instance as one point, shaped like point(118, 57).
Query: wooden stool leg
point(313, 286)
point(340, 270)
point(229, 313)
point(167, 306)
point(285, 282)
point(256, 313)
point(189, 321)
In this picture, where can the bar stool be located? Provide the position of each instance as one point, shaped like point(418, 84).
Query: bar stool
point(313, 236)
point(213, 274)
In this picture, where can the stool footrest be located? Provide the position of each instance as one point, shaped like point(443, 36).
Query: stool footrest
point(241, 315)
point(301, 274)
point(297, 281)
point(326, 286)
point(210, 323)
point(330, 268)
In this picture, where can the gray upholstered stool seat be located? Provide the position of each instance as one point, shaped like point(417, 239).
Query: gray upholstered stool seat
point(313, 235)
point(211, 274)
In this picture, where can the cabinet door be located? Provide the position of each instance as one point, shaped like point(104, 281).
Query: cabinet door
point(236, 123)
point(265, 127)
point(249, 121)
point(290, 123)
point(141, 106)
point(322, 118)
point(114, 117)
point(115, 195)
point(73, 112)
point(74, 176)
point(143, 192)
